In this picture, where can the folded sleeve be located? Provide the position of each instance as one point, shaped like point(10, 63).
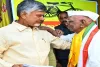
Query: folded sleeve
point(58, 43)
point(67, 37)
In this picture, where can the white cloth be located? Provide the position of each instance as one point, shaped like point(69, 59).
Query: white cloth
point(67, 37)
point(93, 50)
point(89, 14)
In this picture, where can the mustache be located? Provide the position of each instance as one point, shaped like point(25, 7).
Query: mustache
point(41, 22)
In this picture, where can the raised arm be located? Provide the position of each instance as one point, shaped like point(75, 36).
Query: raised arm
point(56, 32)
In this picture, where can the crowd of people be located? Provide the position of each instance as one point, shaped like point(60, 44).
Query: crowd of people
point(75, 41)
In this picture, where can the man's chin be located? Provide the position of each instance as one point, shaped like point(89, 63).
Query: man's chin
point(36, 25)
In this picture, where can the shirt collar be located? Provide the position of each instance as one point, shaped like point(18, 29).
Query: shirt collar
point(21, 27)
point(35, 28)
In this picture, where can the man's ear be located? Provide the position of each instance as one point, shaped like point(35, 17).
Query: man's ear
point(23, 15)
point(83, 23)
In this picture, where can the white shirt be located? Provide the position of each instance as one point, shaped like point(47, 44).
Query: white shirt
point(93, 50)
point(22, 45)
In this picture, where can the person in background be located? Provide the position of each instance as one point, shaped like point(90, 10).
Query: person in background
point(85, 48)
point(22, 42)
point(60, 31)
point(64, 33)
point(62, 55)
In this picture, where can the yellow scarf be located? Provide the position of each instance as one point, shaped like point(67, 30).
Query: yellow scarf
point(75, 49)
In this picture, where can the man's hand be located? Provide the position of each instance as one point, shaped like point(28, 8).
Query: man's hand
point(56, 32)
point(43, 28)
point(17, 65)
point(59, 32)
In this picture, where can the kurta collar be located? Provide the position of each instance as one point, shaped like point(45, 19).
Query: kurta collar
point(21, 27)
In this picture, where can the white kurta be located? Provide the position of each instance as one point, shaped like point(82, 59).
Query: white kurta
point(93, 50)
